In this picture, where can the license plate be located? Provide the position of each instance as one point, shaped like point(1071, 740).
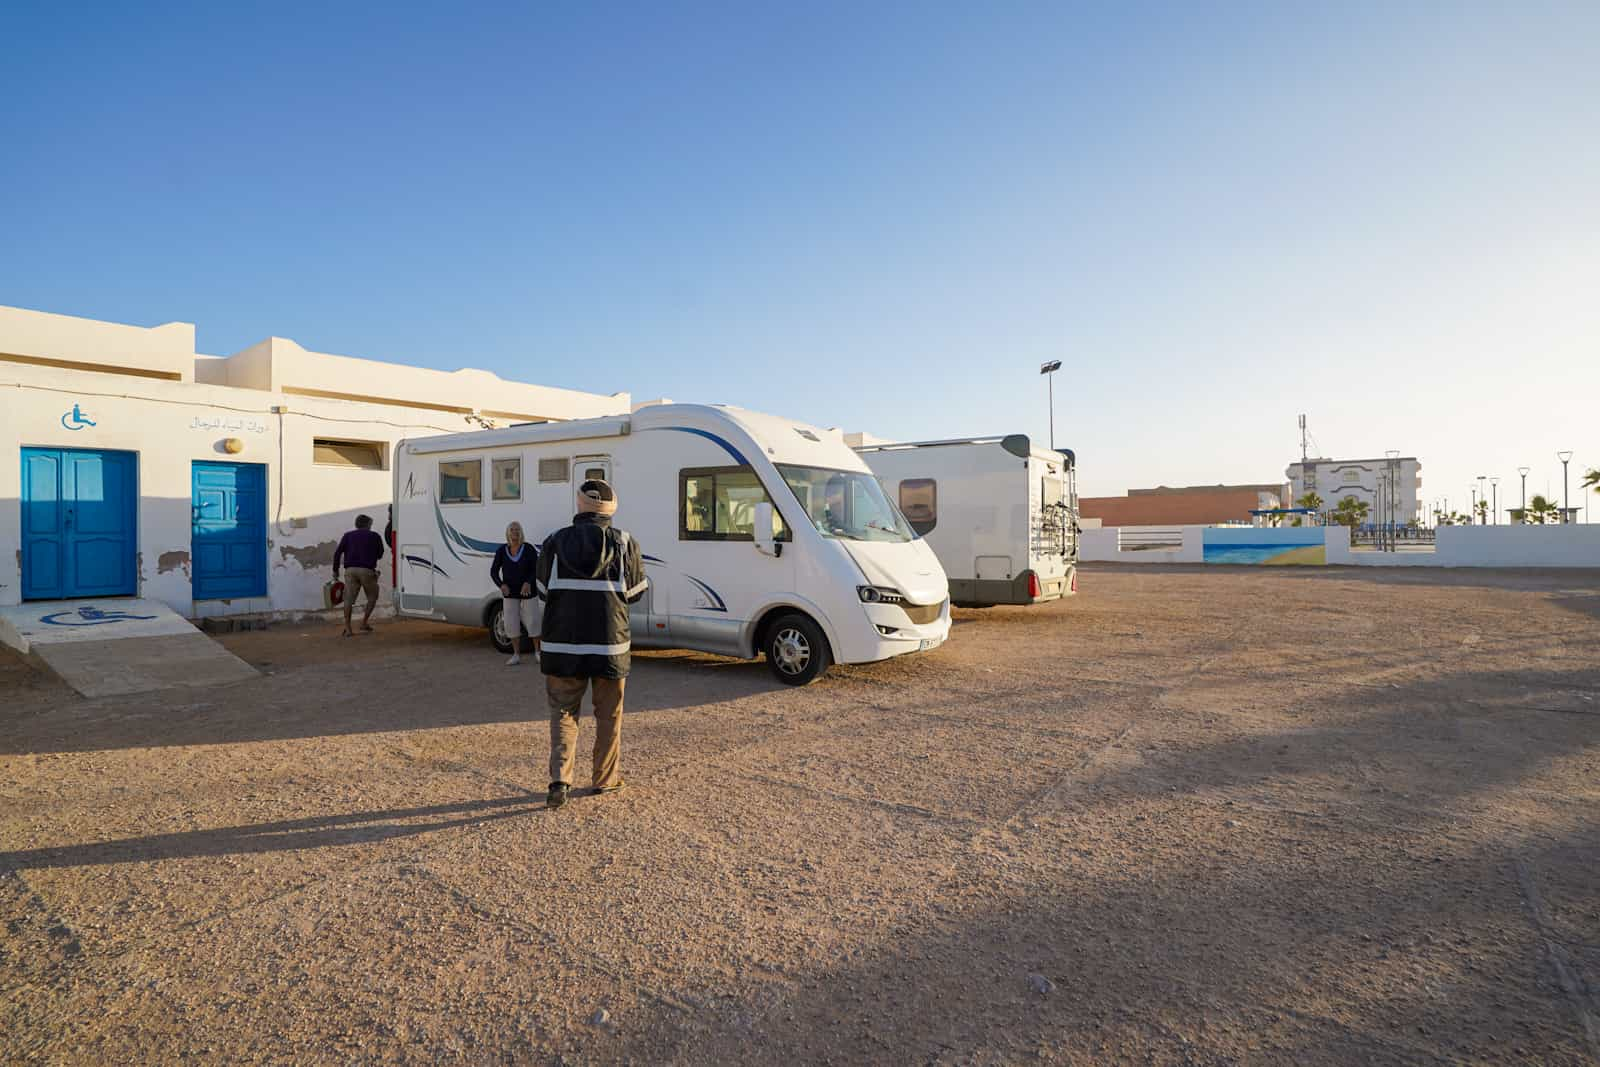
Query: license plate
point(930, 643)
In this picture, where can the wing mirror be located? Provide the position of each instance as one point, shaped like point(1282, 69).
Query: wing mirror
point(766, 543)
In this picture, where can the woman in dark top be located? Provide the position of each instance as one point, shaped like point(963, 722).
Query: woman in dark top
point(513, 571)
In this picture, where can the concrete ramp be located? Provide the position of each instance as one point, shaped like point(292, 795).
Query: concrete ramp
point(115, 646)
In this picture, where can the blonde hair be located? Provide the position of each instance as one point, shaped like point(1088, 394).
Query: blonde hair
point(514, 525)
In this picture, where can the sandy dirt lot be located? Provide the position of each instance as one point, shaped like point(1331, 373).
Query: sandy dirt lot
point(1191, 816)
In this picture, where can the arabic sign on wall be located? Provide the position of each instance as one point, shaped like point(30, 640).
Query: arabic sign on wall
point(228, 423)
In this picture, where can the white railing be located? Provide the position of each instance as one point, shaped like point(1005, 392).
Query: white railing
point(1143, 538)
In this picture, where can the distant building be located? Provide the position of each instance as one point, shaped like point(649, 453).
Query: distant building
point(132, 465)
point(1335, 479)
point(1190, 505)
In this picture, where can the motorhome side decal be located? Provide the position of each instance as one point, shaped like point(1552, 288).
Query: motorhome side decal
point(727, 447)
point(452, 537)
point(712, 601)
point(418, 561)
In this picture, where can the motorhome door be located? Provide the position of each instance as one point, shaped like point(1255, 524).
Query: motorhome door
point(416, 570)
point(587, 467)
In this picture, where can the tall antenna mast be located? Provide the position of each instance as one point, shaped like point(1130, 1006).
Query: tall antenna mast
point(1302, 439)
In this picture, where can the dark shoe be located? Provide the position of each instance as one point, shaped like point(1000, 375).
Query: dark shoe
point(557, 795)
point(599, 792)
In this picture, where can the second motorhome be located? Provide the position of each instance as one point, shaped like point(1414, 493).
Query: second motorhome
point(1000, 512)
point(760, 536)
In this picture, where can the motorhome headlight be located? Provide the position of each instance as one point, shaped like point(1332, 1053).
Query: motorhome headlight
point(879, 594)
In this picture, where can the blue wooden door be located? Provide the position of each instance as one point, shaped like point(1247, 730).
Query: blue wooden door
point(79, 535)
point(229, 541)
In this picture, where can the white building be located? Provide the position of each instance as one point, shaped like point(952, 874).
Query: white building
point(218, 485)
point(1335, 479)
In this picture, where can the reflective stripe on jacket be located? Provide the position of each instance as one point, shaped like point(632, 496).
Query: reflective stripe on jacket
point(588, 574)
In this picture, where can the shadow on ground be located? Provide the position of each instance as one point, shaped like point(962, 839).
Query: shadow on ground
point(325, 831)
point(358, 686)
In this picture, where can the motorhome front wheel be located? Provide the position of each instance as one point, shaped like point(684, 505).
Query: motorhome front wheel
point(796, 650)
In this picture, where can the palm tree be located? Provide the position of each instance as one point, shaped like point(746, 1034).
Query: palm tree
point(1310, 500)
point(1591, 480)
point(1481, 509)
point(1350, 512)
point(1541, 510)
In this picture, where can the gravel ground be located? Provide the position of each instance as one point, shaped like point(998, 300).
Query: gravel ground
point(1195, 815)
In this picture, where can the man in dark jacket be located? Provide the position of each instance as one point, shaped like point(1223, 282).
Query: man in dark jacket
point(588, 574)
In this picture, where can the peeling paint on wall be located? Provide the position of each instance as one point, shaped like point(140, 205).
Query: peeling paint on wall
point(171, 561)
point(311, 557)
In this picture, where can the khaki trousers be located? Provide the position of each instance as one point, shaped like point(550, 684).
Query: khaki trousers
point(564, 696)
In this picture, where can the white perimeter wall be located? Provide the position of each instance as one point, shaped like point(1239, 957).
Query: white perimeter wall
point(1101, 546)
point(171, 424)
point(1574, 545)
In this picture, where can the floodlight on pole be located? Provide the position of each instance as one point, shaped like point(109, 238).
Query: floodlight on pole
point(1494, 485)
point(1524, 472)
point(1565, 457)
point(1048, 370)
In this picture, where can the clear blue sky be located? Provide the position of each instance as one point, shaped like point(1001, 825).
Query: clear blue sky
point(875, 216)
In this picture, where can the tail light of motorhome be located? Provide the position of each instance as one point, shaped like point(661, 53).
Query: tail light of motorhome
point(1035, 590)
point(1074, 581)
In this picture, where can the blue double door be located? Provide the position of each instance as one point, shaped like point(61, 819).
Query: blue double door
point(79, 528)
point(229, 539)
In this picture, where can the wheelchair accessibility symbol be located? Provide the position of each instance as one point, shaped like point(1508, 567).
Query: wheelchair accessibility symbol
point(89, 615)
point(75, 419)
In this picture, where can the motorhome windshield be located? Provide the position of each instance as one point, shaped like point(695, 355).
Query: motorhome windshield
point(847, 504)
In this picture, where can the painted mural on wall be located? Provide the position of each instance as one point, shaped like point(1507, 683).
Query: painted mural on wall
point(1304, 546)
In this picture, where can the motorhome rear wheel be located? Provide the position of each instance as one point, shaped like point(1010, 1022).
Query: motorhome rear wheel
point(497, 627)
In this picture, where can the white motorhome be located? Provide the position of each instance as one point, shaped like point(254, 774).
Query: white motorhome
point(1000, 512)
point(760, 536)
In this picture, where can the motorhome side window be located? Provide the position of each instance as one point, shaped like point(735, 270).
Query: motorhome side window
point(460, 481)
point(919, 503)
point(719, 504)
point(508, 479)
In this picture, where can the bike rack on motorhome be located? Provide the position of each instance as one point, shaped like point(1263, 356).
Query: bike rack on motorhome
point(1000, 512)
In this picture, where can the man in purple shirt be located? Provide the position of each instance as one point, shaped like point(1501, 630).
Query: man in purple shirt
point(359, 550)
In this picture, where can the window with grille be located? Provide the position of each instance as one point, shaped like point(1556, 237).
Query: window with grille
point(553, 470)
point(364, 455)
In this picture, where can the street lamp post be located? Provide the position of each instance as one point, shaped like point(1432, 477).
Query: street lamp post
point(1565, 458)
point(1482, 498)
point(1494, 492)
point(1472, 512)
point(1392, 497)
point(1049, 370)
point(1524, 472)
